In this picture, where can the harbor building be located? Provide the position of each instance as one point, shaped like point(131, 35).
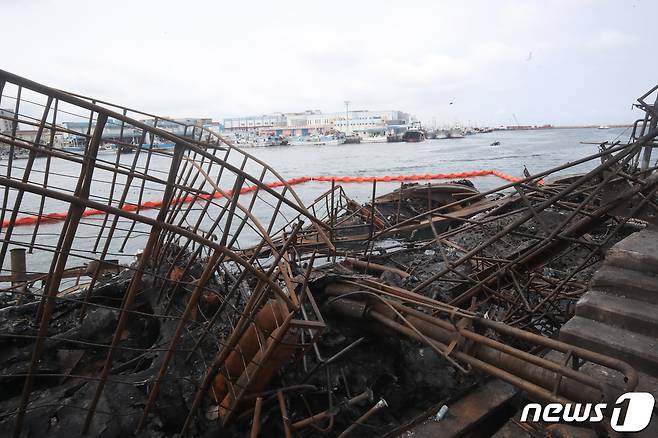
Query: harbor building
point(267, 121)
point(114, 129)
point(315, 121)
point(362, 121)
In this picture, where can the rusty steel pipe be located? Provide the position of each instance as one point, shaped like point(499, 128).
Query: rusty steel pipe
point(381, 404)
point(366, 395)
point(521, 369)
point(255, 422)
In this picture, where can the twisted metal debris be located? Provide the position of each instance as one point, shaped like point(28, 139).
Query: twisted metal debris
point(219, 322)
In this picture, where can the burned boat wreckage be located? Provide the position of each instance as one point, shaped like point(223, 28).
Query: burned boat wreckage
point(433, 310)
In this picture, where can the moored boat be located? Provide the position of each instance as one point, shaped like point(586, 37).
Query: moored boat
point(413, 136)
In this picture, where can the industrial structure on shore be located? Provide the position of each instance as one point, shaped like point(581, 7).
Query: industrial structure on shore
point(316, 122)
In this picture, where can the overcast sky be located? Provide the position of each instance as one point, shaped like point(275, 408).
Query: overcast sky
point(560, 62)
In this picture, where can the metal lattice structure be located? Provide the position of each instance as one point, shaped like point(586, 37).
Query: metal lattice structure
point(173, 273)
point(188, 206)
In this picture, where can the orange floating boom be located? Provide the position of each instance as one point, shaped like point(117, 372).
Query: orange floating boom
point(56, 217)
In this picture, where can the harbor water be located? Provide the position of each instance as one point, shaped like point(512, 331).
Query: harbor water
point(537, 150)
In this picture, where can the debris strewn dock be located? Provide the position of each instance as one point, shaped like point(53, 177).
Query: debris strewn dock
point(247, 312)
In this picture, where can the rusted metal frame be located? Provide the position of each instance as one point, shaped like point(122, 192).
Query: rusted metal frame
point(276, 211)
point(366, 395)
point(144, 219)
point(67, 299)
point(249, 209)
point(527, 202)
point(519, 290)
point(112, 187)
point(532, 388)
point(48, 301)
point(370, 242)
point(565, 205)
point(229, 296)
point(195, 229)
point(255, 422)
point(232, 204)
point(524, 180)
point(14, 128)
point(397, 213)
point(76, 158)
point(181, 191)
point(183, 177)
point(607, 239)
point(34, 122)
point(303, 210)
point(551, 260)
point(25, 119)
point(630, 375)
point(284, 415)
point(602, 210)
point(45, 179)
point(381, 404)
point(330, 396)
point(254, 302)
point(124, 109)
point(299, 208)
point(90, 104)
point(559, 237)
point(112, 229)
point(527, 215)
point(135, 284)
point(535, 360)
point(370, 286)
point(332, 212)
point(206, 206)
point(149, 153)
point(210, 268)
point(74, 100)
point(630, 177)
point(448, 264)
point(653, 122)
point(489, 218)
point(26, 177)
point(196, 194)
point(323, 362)
point(276, 340)
point(446, 351)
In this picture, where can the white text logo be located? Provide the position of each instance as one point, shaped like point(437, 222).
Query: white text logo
point(638, 412)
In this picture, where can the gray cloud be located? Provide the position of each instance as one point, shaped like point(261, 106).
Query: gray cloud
point(548, 62)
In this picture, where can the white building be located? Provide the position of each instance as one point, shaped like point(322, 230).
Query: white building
point(255, 122)
point(362, 121)
point(309, 121)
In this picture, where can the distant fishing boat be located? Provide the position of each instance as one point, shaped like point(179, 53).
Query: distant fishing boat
point(74, 149)
point(157, 145)
point(455, 133)
point(448, 133)
point(413, 136)
point(373, 139)
point(316, 140)
point(604, 127)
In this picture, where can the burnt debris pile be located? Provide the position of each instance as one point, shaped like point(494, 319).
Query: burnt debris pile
point(187, 290)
